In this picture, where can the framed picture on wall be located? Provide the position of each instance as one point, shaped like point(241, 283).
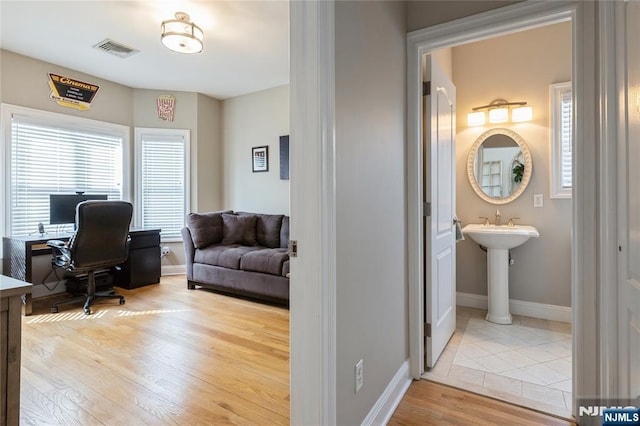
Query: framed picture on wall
point(260, 158)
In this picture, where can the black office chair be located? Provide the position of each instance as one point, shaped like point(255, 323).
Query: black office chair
point(100, 241)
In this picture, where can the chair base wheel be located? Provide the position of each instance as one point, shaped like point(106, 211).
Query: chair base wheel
point(122, 300)
point(54, 309)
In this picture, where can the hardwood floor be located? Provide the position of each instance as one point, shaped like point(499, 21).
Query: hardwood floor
point(430, 403)
point(177, 356)
point(168, 356)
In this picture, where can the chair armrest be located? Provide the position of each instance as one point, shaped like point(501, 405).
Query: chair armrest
point(61, 253)
point(56, 243)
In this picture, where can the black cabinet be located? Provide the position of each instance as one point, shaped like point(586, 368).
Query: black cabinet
point(143, 264)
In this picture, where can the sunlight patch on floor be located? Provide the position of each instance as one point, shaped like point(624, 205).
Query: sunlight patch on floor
point(77, 316)
point(152, 312)
point(66, 316)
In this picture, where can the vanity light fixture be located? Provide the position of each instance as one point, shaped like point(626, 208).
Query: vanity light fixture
point(499, 113)
point(182, 35)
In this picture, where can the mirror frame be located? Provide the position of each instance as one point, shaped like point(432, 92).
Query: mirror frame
point(528, 165)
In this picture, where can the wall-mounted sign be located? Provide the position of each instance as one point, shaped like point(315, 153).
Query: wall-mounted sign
point(71, 93)
point(166, 106)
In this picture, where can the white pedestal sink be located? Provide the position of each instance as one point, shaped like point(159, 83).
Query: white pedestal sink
point(499, 240)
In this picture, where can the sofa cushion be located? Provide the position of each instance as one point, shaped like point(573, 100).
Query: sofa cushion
point(223, 256)
point(267, 260)
point(286, 268)
point(267, 228)
point(239, 229)
point(211, 254)
point(206, 228)
point(231, 258)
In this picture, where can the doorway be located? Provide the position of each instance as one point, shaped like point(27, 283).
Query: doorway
point(428, 41)
point(528, 362)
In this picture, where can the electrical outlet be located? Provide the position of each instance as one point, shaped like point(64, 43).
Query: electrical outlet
point(538, 200)
point(359, 377)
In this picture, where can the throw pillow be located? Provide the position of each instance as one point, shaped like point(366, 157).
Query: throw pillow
point(206, 228)
point(284, 233)
point(267, 228)
point(239, 230)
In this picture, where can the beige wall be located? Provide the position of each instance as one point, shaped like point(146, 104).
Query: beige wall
point(257, 119)
point(444, 60)
point(250, 120)
point(209, 154)
point(370, 112)
point(516, 67)
point(426, 13)
point(200, 115)
point(24, 82)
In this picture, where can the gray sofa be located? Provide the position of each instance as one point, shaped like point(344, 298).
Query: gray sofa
point(238, 252)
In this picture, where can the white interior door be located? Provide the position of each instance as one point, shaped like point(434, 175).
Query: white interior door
point(440, 192)
point(629, 211)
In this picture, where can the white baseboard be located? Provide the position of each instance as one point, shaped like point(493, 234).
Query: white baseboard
point(518, 307)
point(390, 398)
point(173, 270)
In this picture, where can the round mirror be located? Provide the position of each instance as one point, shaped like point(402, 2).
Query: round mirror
point(499, 166)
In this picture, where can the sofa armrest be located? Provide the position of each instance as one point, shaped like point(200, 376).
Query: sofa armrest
point(189, 251)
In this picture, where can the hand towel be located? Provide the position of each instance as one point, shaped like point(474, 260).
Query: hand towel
point(459, 235)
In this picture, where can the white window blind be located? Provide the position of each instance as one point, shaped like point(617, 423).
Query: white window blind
point(566, 109)
point(162, 156)
point(561, 139)
point(49, 155)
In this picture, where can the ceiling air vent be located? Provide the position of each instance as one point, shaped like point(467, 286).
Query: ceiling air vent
point(115, 48)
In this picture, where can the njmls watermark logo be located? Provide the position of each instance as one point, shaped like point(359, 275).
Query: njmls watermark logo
point(613, 412)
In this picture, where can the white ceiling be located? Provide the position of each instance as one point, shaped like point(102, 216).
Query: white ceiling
point(246, 43)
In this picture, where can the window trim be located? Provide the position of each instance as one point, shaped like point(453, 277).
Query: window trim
point(139, 132)
point(6, 113)
point(555, 151)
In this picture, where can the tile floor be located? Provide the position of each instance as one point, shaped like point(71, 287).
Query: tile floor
point(526, 363)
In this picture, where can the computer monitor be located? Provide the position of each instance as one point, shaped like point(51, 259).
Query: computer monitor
point(62, 207)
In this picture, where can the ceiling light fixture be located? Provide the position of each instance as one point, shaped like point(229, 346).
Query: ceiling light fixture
point(181, 35)
point(499, 113)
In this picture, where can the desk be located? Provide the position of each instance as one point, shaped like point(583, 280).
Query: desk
point(141, 268)
point(11, 291)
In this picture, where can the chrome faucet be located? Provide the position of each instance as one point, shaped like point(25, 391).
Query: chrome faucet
point(497, 217)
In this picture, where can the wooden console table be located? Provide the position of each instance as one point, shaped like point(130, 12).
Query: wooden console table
point(11, 291)
point(141, 268)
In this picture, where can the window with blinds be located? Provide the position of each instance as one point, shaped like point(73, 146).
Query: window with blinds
point(57, 154)
point(561, 139)
point(162, 160)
